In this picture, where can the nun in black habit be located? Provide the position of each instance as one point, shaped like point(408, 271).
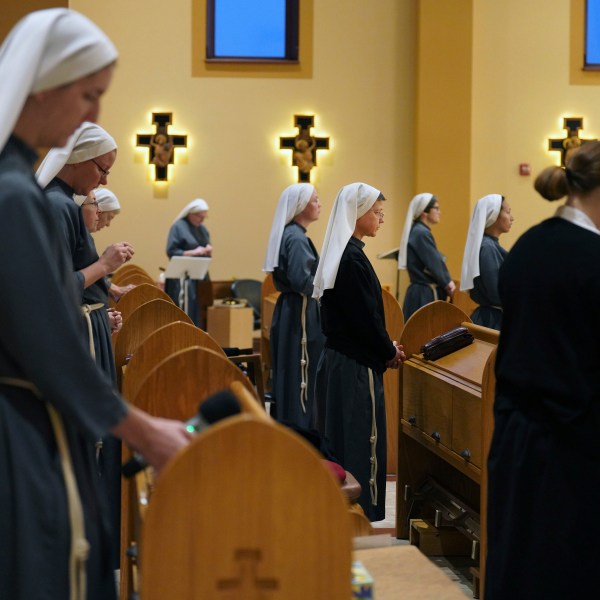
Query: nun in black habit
point(349, 386)
point(483, 258)
point(429, 276)
point(296, 337)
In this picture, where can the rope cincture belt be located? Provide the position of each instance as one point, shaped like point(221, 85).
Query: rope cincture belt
point(80, 547)
point(303, 357)
point(86, 310)
point(373, 440)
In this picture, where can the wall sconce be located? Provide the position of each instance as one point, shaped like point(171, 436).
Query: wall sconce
point(304, 146)
point(161, 145)
point(570, 143)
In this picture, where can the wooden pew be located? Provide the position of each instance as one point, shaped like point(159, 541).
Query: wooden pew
point(267, 308)
point(134, 279)
point(445, 410)
point(146, 319)
point(127, 269)
point(137, 296)
point(160, 344)
point(228, 516)
point(173, 389)
point(394, 322)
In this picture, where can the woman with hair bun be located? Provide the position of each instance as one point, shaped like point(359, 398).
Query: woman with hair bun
point(544, 454)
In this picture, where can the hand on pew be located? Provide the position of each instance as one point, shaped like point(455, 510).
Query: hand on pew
point(156, 439)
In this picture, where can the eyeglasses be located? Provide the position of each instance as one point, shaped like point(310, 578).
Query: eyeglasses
point(103, 171)
point(435, 208)
point(93, 203)
point(379, 214)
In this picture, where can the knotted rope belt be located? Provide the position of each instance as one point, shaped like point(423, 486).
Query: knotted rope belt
point(373, 440)
point(86, 311)
point(303, 357)
point(80, 547)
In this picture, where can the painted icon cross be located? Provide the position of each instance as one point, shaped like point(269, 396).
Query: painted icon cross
point(304, 146)
point(161, 144)
point(567, 145)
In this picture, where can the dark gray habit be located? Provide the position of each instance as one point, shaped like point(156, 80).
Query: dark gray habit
point(42, 341)
point(356, 341)
point(184, 236)
point(293, 277)
point(82, 249)
point(426, 268)
point(485, 287)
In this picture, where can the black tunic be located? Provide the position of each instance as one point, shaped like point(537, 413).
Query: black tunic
point(293, 277)
point(184, 236)
point(426, 268)
point(356, 344)
point(41, 340)
point(485, 286)
point(543, 463)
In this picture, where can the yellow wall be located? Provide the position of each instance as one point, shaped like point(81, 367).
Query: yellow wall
point(361, 92)
point(521, 91)
point(443, 136)
point(415, 94)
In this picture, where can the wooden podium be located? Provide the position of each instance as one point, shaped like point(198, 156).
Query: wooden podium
point(230, 326)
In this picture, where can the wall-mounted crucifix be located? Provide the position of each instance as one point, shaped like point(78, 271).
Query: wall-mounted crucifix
point(567, 145)
point(304, 146)
point(247, 585)
point(161, 144)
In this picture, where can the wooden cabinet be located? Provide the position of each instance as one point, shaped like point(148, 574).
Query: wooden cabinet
point(442, 401)
point(446, 415)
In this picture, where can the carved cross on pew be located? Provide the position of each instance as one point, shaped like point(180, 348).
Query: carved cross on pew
point(304, 146)
point(161, 144)
point(566, 146)
point(247, 586)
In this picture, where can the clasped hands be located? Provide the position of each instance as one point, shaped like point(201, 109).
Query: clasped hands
point(398, 359)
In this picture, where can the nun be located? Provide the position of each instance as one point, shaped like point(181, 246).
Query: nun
point(109, 207)
point(189, 236)
point(296, 337)
point(429, 276)
point(55, 65)
point(68, 173)
point(77, 169)
point(349, 383)
point(483, 258)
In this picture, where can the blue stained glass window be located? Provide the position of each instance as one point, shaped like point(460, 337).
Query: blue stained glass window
point(250, 29)
point(592, 33)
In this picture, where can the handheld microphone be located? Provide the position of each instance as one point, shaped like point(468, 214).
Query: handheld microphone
point(216, 407)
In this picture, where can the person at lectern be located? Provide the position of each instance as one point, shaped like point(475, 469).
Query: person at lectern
point(189, 236)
